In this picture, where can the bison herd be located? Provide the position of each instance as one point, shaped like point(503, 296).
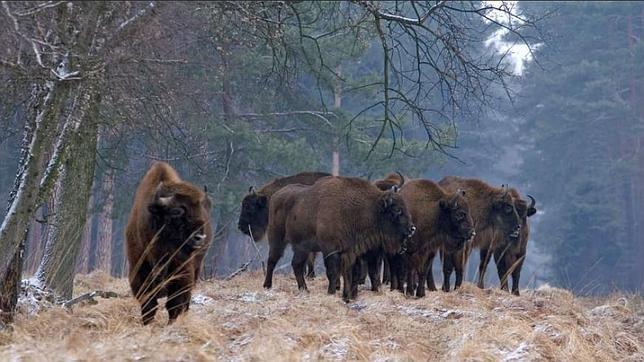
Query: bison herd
point(389, 230)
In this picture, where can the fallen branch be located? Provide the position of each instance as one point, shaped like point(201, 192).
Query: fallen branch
point(90, 297)
point(242, 269)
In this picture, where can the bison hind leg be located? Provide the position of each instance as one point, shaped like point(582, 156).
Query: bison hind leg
point(298, 263)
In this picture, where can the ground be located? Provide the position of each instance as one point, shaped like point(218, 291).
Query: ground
point(239, 320)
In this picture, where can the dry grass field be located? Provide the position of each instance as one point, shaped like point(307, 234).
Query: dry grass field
point(238, 320)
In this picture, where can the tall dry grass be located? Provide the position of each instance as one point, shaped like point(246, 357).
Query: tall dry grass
point(238, 320)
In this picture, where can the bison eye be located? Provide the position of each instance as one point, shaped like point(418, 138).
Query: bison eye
point(508, 209)
point(397, 211)
point(460, 216)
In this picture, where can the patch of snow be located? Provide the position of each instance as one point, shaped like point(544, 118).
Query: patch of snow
point(521, 353)
point(201, 299)
point(249, 297)
point(337, 349)
point(229, 325)
point(436, 314)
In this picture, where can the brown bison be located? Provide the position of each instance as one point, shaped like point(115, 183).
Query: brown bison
point(343, 217)
point(442, 220)
point(494, 214)
point(167, 236)
point(253, 218)
point(509, 253)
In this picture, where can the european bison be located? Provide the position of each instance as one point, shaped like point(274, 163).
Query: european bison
point(167, 236)
point(343, 217)
point(442, 220)
point(509, 254)
point(253, 217)
point(494, 214)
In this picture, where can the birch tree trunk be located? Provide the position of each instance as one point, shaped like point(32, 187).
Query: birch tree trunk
point(105, 225)
point(56, 270)
point(45, 106)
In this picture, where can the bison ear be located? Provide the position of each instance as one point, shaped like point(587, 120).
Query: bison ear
point(531, 211)
point(387, 199)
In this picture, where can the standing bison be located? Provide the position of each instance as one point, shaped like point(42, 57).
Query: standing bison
point(167, 236)
point(509, 253)
point(253, 218)
point(343, 217)
point(494, 216)
point(442, 220)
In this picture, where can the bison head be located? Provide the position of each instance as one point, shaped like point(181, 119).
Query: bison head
point(395, 213)
point(505, 214)
point(254, 215)
point(457, 219)
point(180, 214)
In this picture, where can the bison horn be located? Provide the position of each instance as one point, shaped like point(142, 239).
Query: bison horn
point(402, 179)
point(532, 202)
point(251, 190)
point(205, 188)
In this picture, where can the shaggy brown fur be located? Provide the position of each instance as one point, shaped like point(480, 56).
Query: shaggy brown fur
point(510, 253)
point(494, 215)
point(255, 205)
point(442, 220)
point(343, 217)
point(394, 268)
point(167, 236)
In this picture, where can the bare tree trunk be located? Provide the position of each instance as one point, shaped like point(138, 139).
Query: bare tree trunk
point(56, 270)
point(337, 104)
point(82, 264)
point(105, 225)
point(42, 117)
point(33, 247)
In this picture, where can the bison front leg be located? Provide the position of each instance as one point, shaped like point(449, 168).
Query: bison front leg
point(347, 280)
point(179, 294)
point(357, 270)
point(145, 289)
point(332, 265)
point(298, 263)
point(485, 259)
point(448, 267)
point(516, 274)
point(374, 262)
point(502, 268)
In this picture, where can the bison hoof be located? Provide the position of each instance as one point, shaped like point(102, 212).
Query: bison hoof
point(516, 292)
point(267, 286)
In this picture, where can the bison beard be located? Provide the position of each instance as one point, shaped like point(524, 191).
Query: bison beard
point(342, 217)
point(494, 216)
point(167, 236)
